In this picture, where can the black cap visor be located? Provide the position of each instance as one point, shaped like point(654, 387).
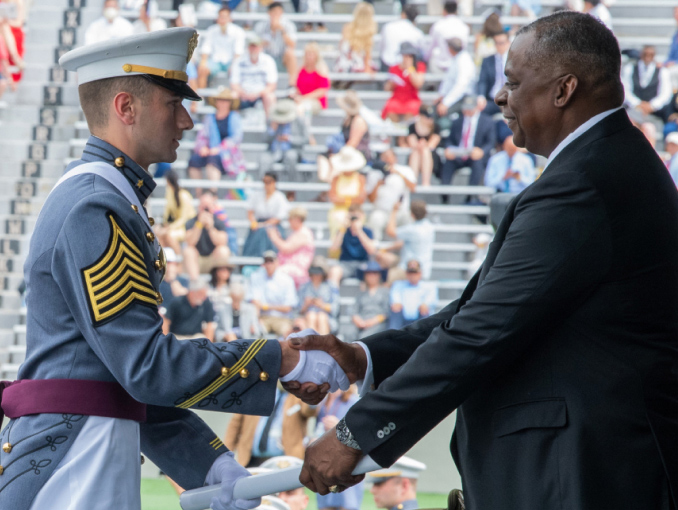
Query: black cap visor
point(177, 86)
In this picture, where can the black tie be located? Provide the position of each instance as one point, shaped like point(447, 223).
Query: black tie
point(263, 442)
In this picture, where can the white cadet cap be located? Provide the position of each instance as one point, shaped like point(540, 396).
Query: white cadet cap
point(671, 138)
point(160, 56)
point(254, 471)
point(404, 467)
point(272, 503)
point(282, 462)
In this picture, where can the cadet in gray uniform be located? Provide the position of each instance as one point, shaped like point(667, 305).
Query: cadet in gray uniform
point(395, 488)
point(101, 382)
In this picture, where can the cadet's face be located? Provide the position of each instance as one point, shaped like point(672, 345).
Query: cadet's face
point(526, 99)
point(387, 494)
point(162, 122)
point(296, 499)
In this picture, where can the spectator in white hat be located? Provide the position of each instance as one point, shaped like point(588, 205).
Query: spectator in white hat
point(395, 488)
point(671, 146)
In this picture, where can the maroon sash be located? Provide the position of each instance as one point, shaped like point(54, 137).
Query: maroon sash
point(71, 396)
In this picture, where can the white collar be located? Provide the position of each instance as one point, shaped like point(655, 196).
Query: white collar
point(578, 132)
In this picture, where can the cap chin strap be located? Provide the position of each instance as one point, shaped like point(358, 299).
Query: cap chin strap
point(171, 75)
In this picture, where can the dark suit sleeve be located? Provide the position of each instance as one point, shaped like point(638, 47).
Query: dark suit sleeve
point(455, 133)
point(555, 253)
point(486, 78)
point(488, 139)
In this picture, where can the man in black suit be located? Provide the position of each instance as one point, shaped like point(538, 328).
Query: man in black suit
point(491, 77)
point(561, 356)
point(472, 137)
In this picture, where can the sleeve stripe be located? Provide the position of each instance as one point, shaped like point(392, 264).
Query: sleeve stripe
point(221, 380)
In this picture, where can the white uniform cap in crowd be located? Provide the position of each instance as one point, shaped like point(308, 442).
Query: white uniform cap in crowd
point(282, 462)
point(272, 503)
point(671, 138)
point(159, 56)
point(404, 467)
point(258, 470)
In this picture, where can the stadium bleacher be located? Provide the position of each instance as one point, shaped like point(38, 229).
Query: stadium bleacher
point(42, 129)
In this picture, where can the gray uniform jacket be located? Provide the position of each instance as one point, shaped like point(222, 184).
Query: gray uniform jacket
point(92, 313)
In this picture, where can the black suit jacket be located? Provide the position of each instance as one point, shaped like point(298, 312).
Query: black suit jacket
point(487, 77)
point(485, 136)
point(561, 356)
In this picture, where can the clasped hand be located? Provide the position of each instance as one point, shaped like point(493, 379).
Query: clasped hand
point(324, 364)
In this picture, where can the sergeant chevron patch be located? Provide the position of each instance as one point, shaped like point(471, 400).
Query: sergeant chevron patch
point(117, 279)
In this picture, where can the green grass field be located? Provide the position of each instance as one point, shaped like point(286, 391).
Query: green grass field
point(157, 494)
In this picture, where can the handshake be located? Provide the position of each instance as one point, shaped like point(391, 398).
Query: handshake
point(313, 365)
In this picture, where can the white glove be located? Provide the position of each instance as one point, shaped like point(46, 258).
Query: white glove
point(317, 367)
point(225, 472)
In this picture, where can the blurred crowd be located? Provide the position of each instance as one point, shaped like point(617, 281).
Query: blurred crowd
point(373, 162)
point(12, 19)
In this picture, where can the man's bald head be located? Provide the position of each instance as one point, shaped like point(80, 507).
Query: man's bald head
point(573, 43)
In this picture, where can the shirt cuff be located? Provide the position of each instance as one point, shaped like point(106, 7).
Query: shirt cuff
point(366, 384)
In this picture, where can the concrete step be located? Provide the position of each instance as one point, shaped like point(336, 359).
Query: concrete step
point(49, 169)
point(17, 353)
point(50, 15)
point(35, 93)
point(22, 207)
point(9, 319)
point(10, 300)
point(644, 9)
point(49, 116)
point(11, 281)
point(19, 150)
point(27, 131)
point(20, 187)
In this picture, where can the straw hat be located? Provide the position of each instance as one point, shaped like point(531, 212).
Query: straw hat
point(350, 103)
point(348, 159)
point(223, 93)
point(298, 212)
point(284, 112)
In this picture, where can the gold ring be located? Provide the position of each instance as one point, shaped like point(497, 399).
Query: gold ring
point(333, 488)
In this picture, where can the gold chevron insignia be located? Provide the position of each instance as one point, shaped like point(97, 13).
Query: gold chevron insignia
point(118, 278)
point(216, 443)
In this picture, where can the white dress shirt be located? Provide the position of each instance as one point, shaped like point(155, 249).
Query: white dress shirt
point(603, 14)
point(393, 34)
point(520, 163)
point(645, 73)
point(499, 78)
point(460, 79)
point(441, 31)
point(223, 46)
point(103, 30)
point(254, 77)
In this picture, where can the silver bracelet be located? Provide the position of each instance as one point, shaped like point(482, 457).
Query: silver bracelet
point(345, 437)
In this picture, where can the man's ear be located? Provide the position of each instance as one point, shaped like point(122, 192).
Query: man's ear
point(125, 107)
point(566, 86)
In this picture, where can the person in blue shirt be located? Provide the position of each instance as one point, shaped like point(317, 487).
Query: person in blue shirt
point(412, 299)
point(356, 245)
point(510, 170)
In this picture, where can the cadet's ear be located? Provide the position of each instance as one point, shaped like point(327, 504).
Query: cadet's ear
point(124, 106)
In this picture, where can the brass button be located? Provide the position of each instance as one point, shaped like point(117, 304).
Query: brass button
point(159, 265)
point(7, 448)
point(119, 162)
point(158, 298)
point(225, 371)
point(244, 373)
point(127, 68)
point(151, 221)
point(263, 376)
point(150, 236)
point(135, 208)
point(143, 459)
point(2, 470)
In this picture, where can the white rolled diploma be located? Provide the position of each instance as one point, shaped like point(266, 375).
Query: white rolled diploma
point(259, 486)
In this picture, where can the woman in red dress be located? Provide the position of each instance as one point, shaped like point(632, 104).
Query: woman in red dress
point(405, 80)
